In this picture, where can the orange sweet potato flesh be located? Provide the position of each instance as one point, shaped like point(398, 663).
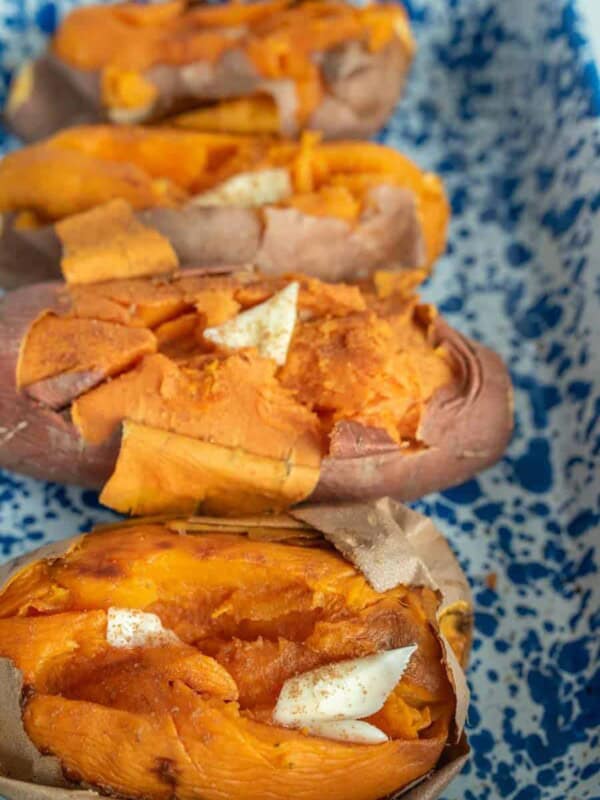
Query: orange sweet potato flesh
point(108, 242)
point(188, 161)
point(131, 36)
point(55, 183)
point(143, 303)
point(170, 721)
point(59, 348)
point(194, 473)
point(201, 401)
point(81, 168)
point(359, 166)
point(234, 430)
point(257, 114)
point(352, 368)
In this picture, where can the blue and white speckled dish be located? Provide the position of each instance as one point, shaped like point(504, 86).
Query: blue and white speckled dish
point(504, 102)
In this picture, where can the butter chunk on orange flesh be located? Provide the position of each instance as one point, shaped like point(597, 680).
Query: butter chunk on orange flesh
point(83, 167)
point(315, 298)
point(56, 345)
point(268, 327)
point(161, 472)
point(108, 243)
point(236, 402)
point(358, 354)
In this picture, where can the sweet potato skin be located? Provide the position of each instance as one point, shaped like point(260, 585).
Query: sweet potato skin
point(467, 425)
point(27, 256)
point(35, 440)
point(55, 97)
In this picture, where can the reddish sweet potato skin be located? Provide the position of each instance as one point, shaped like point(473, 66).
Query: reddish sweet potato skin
point(466, 427)
point(35, 440)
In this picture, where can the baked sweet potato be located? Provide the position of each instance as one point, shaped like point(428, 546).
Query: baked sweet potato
point(340, 210)
point(318, 655)
point(241, 392)
point(272, 67)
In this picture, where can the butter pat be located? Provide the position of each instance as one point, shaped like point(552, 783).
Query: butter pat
point(249, 189)
point(330, 701)
point(347, 730)
point(268, 327)
point(128, 627)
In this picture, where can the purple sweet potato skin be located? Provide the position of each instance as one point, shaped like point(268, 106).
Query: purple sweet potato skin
point(465, 429)
point(34, 440)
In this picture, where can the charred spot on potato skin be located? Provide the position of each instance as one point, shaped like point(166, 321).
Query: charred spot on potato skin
point(26, 694)
point(462, 621)
point(103, 790)
point(205, 549)
point(165, 545)
point(166, 770)
point(108, 569)
point(71, 776)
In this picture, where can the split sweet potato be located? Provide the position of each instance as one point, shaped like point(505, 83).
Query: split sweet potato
point(277, 67)
point(150, 658)
point(368, 392)
point(336, 210)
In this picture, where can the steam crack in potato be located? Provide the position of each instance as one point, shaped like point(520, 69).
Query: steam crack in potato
point(170, 716)
point(212, 413)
